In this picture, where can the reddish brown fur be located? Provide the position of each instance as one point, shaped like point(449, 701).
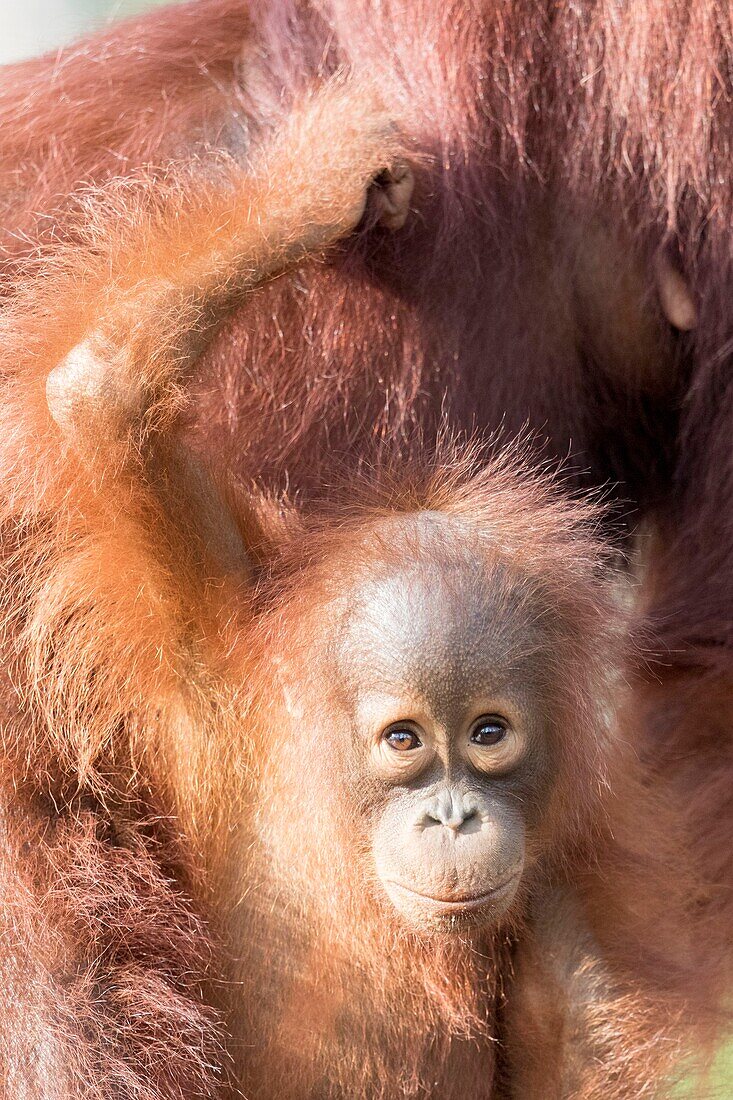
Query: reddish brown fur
point(551, 135)
point(612, 843)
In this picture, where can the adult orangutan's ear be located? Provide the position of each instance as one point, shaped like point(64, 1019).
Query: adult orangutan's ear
point(675, 297)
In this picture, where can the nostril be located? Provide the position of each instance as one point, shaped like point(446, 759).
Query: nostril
point(438, 810)
point(430, 817)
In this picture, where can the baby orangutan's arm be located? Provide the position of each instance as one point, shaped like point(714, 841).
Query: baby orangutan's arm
point(167, 261)
point(165, 265)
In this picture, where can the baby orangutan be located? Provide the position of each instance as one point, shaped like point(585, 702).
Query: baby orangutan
point(446, 825)
point(435, 714)
point(378, 743)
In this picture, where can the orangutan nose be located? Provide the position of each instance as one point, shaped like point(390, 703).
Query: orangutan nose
point(449, 808)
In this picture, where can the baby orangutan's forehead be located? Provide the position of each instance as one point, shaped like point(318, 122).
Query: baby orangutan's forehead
point(445, 628)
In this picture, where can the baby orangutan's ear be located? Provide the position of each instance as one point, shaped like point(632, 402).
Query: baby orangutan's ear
point(288, 683)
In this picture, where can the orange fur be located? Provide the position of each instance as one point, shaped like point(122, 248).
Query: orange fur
point(141, 695)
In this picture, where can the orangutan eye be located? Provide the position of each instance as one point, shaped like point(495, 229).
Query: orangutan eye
point(488, 731)
point(401, 738)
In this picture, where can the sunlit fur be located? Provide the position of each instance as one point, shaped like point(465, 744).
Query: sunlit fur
point(570, 143)
point(549, 136)
point(604, 838)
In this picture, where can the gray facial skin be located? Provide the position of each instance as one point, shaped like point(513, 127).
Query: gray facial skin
point(438, 663)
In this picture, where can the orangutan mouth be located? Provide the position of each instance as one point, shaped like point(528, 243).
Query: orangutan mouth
point(458, 904)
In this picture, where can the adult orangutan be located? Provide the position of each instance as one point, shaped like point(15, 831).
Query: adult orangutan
point(380, 748)
point(172, 645)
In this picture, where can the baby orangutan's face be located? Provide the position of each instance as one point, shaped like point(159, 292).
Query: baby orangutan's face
point(447, 735)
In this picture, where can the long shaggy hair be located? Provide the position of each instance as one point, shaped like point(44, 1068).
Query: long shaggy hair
point(554, 143)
